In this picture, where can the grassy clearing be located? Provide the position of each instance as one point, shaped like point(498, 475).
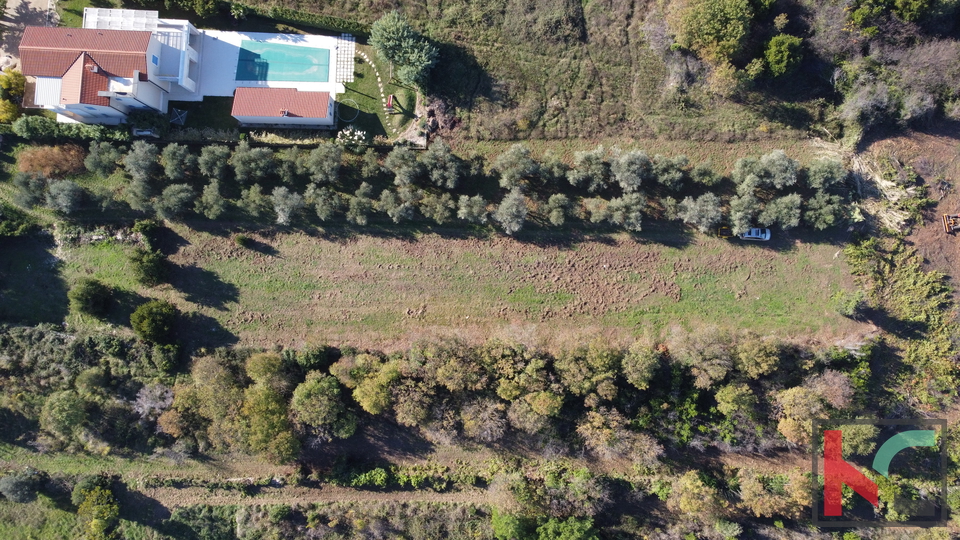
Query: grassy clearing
point(297, 289)
point(365, 92)
point(40, 519)
point(71, 11)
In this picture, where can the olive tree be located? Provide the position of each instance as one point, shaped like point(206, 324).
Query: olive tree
point(397, 209)
point(177, 161)
point(360, 205)
point(472, 209)
point(703, 212)
point(402, 162)
point(251, 165)
point(324, 163)
point(439, 208)
point(102, 158)
point(627, 211)
point(670, 172)
point(631, 169)
point(213, 161)
point(64, 196)
point(512, 211)
point(285, 204)
point(556, 209)
point(515, 165)
point(174, 201)
point(783, 211)
point(443, 167)
point(211, 203)
point(141, 161)
point(590, 168)
point(823, 210)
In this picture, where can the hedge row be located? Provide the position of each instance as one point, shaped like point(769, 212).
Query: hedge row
point(324, 22)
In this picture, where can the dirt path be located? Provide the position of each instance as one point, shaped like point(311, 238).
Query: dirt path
point(172, 498)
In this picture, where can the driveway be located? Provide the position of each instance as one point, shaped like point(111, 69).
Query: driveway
point(19, 14)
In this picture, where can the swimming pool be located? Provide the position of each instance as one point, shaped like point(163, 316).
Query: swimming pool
point(261, 61)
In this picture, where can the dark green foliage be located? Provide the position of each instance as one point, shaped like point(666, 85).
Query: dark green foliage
point(515, 165)
point(704, 175)
point(148, 267)
point(213, 161)
point(743, 208)
point(670, 172)
point(174, 201)
point(716, 29)
point(826, 174)
point(325, 201)
point(512, 211)
point(177, 161)
point(254, 201)
point(63, 414)
point(325, 22)
point(556, 209)
point(20, 487)
point(640, 364)
point(591, 170)
point(138, 194)
point(13, 222)
point(251, 165)
point(211, 203)
point(148, 230)
point(102, 158)
point(824, 210)
point(569, 529)
point(443, 167)
point(90, 297)
point(371, 164)
point(439, 208)
point(285, 204)
point(86, 484)
point(41, 128)
point(402, 162)
point(783, 54)
point(324, 163)
point(35, 128)
point(317, 403)
point(703, 212)
point(783, 211)
point(360, 205)
point(627, 211)
point(141, 161)
point(206, 522)
point(395, 208)
point(292, 165)
point(153, 321)
point(64, 196)
point(396, 41)
point(30, 189)
point(242, 240)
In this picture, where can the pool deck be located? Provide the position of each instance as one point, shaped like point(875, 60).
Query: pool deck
point(218, 64)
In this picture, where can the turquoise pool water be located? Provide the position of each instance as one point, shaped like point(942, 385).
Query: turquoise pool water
point(281, 62)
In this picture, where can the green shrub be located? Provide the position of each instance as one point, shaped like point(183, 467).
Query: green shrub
point(20, 487)
point(148, 228)
point(242, 240)
point(87, 483)
point(325, 22)
point(148, 267)
point(153, 321)
point(783, 54)
point(90, 297)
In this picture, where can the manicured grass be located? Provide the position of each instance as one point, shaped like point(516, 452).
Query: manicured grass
point(365, 92)
point(71, 11)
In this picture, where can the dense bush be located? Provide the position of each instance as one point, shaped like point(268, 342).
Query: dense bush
point(149, 267)
point(153, 321)
point(397, 42)
point(90, 297)
point(20, 487)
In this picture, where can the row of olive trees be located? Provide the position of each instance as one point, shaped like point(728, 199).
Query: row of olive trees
point(615, 187)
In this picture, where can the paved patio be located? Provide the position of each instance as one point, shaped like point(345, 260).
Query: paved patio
point(16, 17)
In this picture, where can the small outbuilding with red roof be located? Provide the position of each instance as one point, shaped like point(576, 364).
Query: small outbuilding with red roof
point(282, 106)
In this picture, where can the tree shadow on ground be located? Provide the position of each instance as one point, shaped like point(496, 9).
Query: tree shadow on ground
point(123, 304)
point(459, 78)
point(379, 440)
point(32, 291)
point(15, 426)
point(135, 506)
point(261, 247)
point(167, 241)
point(881, 318)
point(196, 330)
point(203, 287)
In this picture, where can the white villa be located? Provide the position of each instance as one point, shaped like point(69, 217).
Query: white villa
point(123, 60)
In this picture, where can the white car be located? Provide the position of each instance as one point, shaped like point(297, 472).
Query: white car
point(761, 235)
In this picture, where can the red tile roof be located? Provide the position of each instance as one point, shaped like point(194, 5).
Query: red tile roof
point(272, 102)
point(83, 82)
point(51, 51)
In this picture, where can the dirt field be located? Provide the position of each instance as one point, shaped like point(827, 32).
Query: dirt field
point(933, 154)
point(544, 290)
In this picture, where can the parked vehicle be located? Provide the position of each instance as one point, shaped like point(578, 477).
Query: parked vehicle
point(761, 235)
